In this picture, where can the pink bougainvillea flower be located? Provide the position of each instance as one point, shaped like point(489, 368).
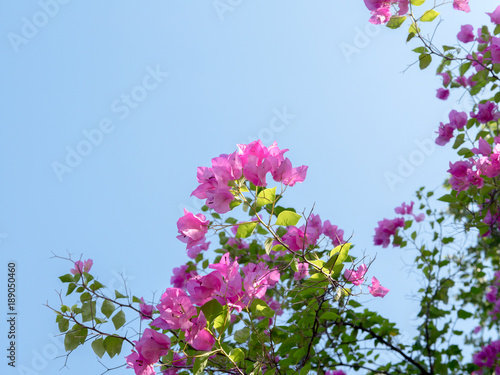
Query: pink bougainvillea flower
point(197, 335)
point(181, 276)
point(175, 309)
point(375, 4)
point(403, 7)
point(283, 171)
point(294, 238)
point(219, 199)
point(445, 134)
point(484, 148)
point(313, 229)
point(387, 228)
point(420, 217)
point(146, 310)
point(446, 78)
point(406, 209)
point(466, 34)
point(377, 290)
point(460, 175)
point(82, 266)
point(457, 119)
point(335, 372)
point(486, 112)
point(258, 278)
point(231, 290)
point(140, 366)
point(334, 233)
point(462, 5)
point(495, 16)
point(459, 168)
point(302, 271)
point(380, 16)
point(356, 277)
point(202, 288)
point(227, 168)
point(195, 250)
point(192, 228)
point(206, 179)
point(442, 93)
point(152, 345)
point(462, 81)
point(488, 356)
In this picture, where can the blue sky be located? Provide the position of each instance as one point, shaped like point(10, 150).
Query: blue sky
point(161, 88)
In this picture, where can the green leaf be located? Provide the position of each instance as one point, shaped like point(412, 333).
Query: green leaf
point(119, 295)
point(98, 346)
point(429, 16)
point(287, 218)
point(88, 311)
point(231, 220)
point(395, 22)
point(464, 67)
point(221, 322)
point(96, 285)
point(354, 303)
point(420, 50)
point(338, 255)
point(75, 337)
point(234, 204)
point(71, 287)
point(305, 370)
point(417, 2)
point(424, 60)
point(464, 151)
point(241, 336)
point(260, 308)
point(113, 345)
point(63, 324)
point(459, 140)
point(211, 309)
point(414, 29)
point(107, 308)
point(119, 319)
point(136, 299)
point(266, 196)
point(448, 198)
point(268, 245)
point(245, 230)
point(199, 365)
point(462, 314)
point(85, 297)
point(237, 355)
point(68, 278)
point(329, 315)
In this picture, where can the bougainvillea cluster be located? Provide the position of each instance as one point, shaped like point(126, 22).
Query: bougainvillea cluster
point(387, 228)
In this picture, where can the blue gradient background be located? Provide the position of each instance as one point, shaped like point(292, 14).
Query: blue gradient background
point(355, 117)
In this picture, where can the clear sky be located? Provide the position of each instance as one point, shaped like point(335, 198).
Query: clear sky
point(161, 87)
